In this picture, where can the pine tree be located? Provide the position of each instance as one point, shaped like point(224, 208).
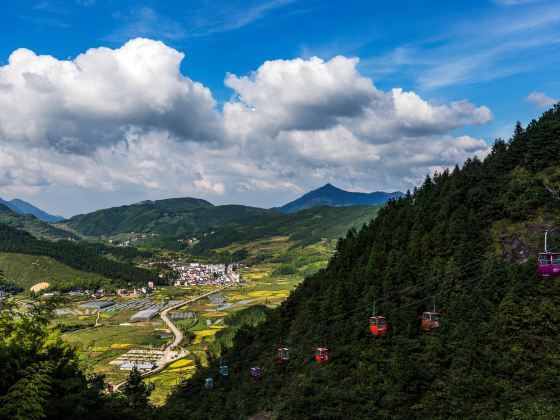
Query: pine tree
point(135, 390)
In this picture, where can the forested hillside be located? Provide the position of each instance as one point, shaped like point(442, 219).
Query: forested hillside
point(171, 217)
point(28, 270)
point(72, 255)
point(467, 238)
point(304, 227)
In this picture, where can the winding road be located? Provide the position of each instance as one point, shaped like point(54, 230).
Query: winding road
point(176, 332)
point(170, 355)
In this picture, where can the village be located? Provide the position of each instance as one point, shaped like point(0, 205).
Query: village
point(196, 274)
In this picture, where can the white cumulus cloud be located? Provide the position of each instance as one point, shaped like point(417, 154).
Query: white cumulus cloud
point(94, 100)
point(124, 124)
point(541, 99)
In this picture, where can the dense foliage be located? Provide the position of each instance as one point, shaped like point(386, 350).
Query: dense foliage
point(8, 286)
point(125, 254)
point(73, 255)
point(42, 376)
point(467, 237)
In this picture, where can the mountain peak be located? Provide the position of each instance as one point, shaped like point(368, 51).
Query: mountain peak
point(328, 187)
point(23, 207)
point(329, 195)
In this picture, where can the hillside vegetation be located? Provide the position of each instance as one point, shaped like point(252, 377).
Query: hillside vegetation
point(171, 217)
point(169, 223)
point(466, 237)
point(302, 228)
point(16, 241)
point(27, 270)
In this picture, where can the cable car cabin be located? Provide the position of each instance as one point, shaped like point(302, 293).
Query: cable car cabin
point(224, 371)
point(322, 355)
point(430, 321)
point(378, 325)
point(548, 264)
point(256, 373)
point(283, 355)
point(209, 383)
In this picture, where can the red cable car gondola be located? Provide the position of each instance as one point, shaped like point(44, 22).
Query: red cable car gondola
point(377, 324)
point(322, 355)
point(548, 263)
point(430, 320)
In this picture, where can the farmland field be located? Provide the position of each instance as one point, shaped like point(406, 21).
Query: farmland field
point(260, 287)
point(100, 345)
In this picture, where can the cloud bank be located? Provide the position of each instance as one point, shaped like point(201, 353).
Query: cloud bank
point(127, 121)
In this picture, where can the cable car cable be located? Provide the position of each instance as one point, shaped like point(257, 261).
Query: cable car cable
point(417, 301)
point(415, 286)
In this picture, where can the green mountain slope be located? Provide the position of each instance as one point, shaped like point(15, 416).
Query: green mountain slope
point(16, 241)
point(466, 237)
point(31, 224)
point(27, 270)
point(302, 228)
point(173, 217)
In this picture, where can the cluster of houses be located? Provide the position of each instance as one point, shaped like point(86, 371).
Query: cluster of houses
point(131, 241)
point(194, 274)
point(99, 293)
point(94, 294)
point(137, 291)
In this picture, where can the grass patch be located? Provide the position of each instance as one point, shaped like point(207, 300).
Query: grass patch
point(27, 270)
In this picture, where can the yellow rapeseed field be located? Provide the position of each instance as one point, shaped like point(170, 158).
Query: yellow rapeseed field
point(99, 349)
point(200, 335)
point(119, 345)
point(181, 363)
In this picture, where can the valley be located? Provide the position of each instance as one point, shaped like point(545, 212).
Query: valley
point(260, 258)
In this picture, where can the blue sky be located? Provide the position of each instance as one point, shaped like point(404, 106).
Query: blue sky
point(499, 54)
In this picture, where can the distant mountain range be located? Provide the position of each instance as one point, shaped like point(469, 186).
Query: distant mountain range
point(23, 207)
point(30, 223)
point(329, 195)
point(167, 223)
